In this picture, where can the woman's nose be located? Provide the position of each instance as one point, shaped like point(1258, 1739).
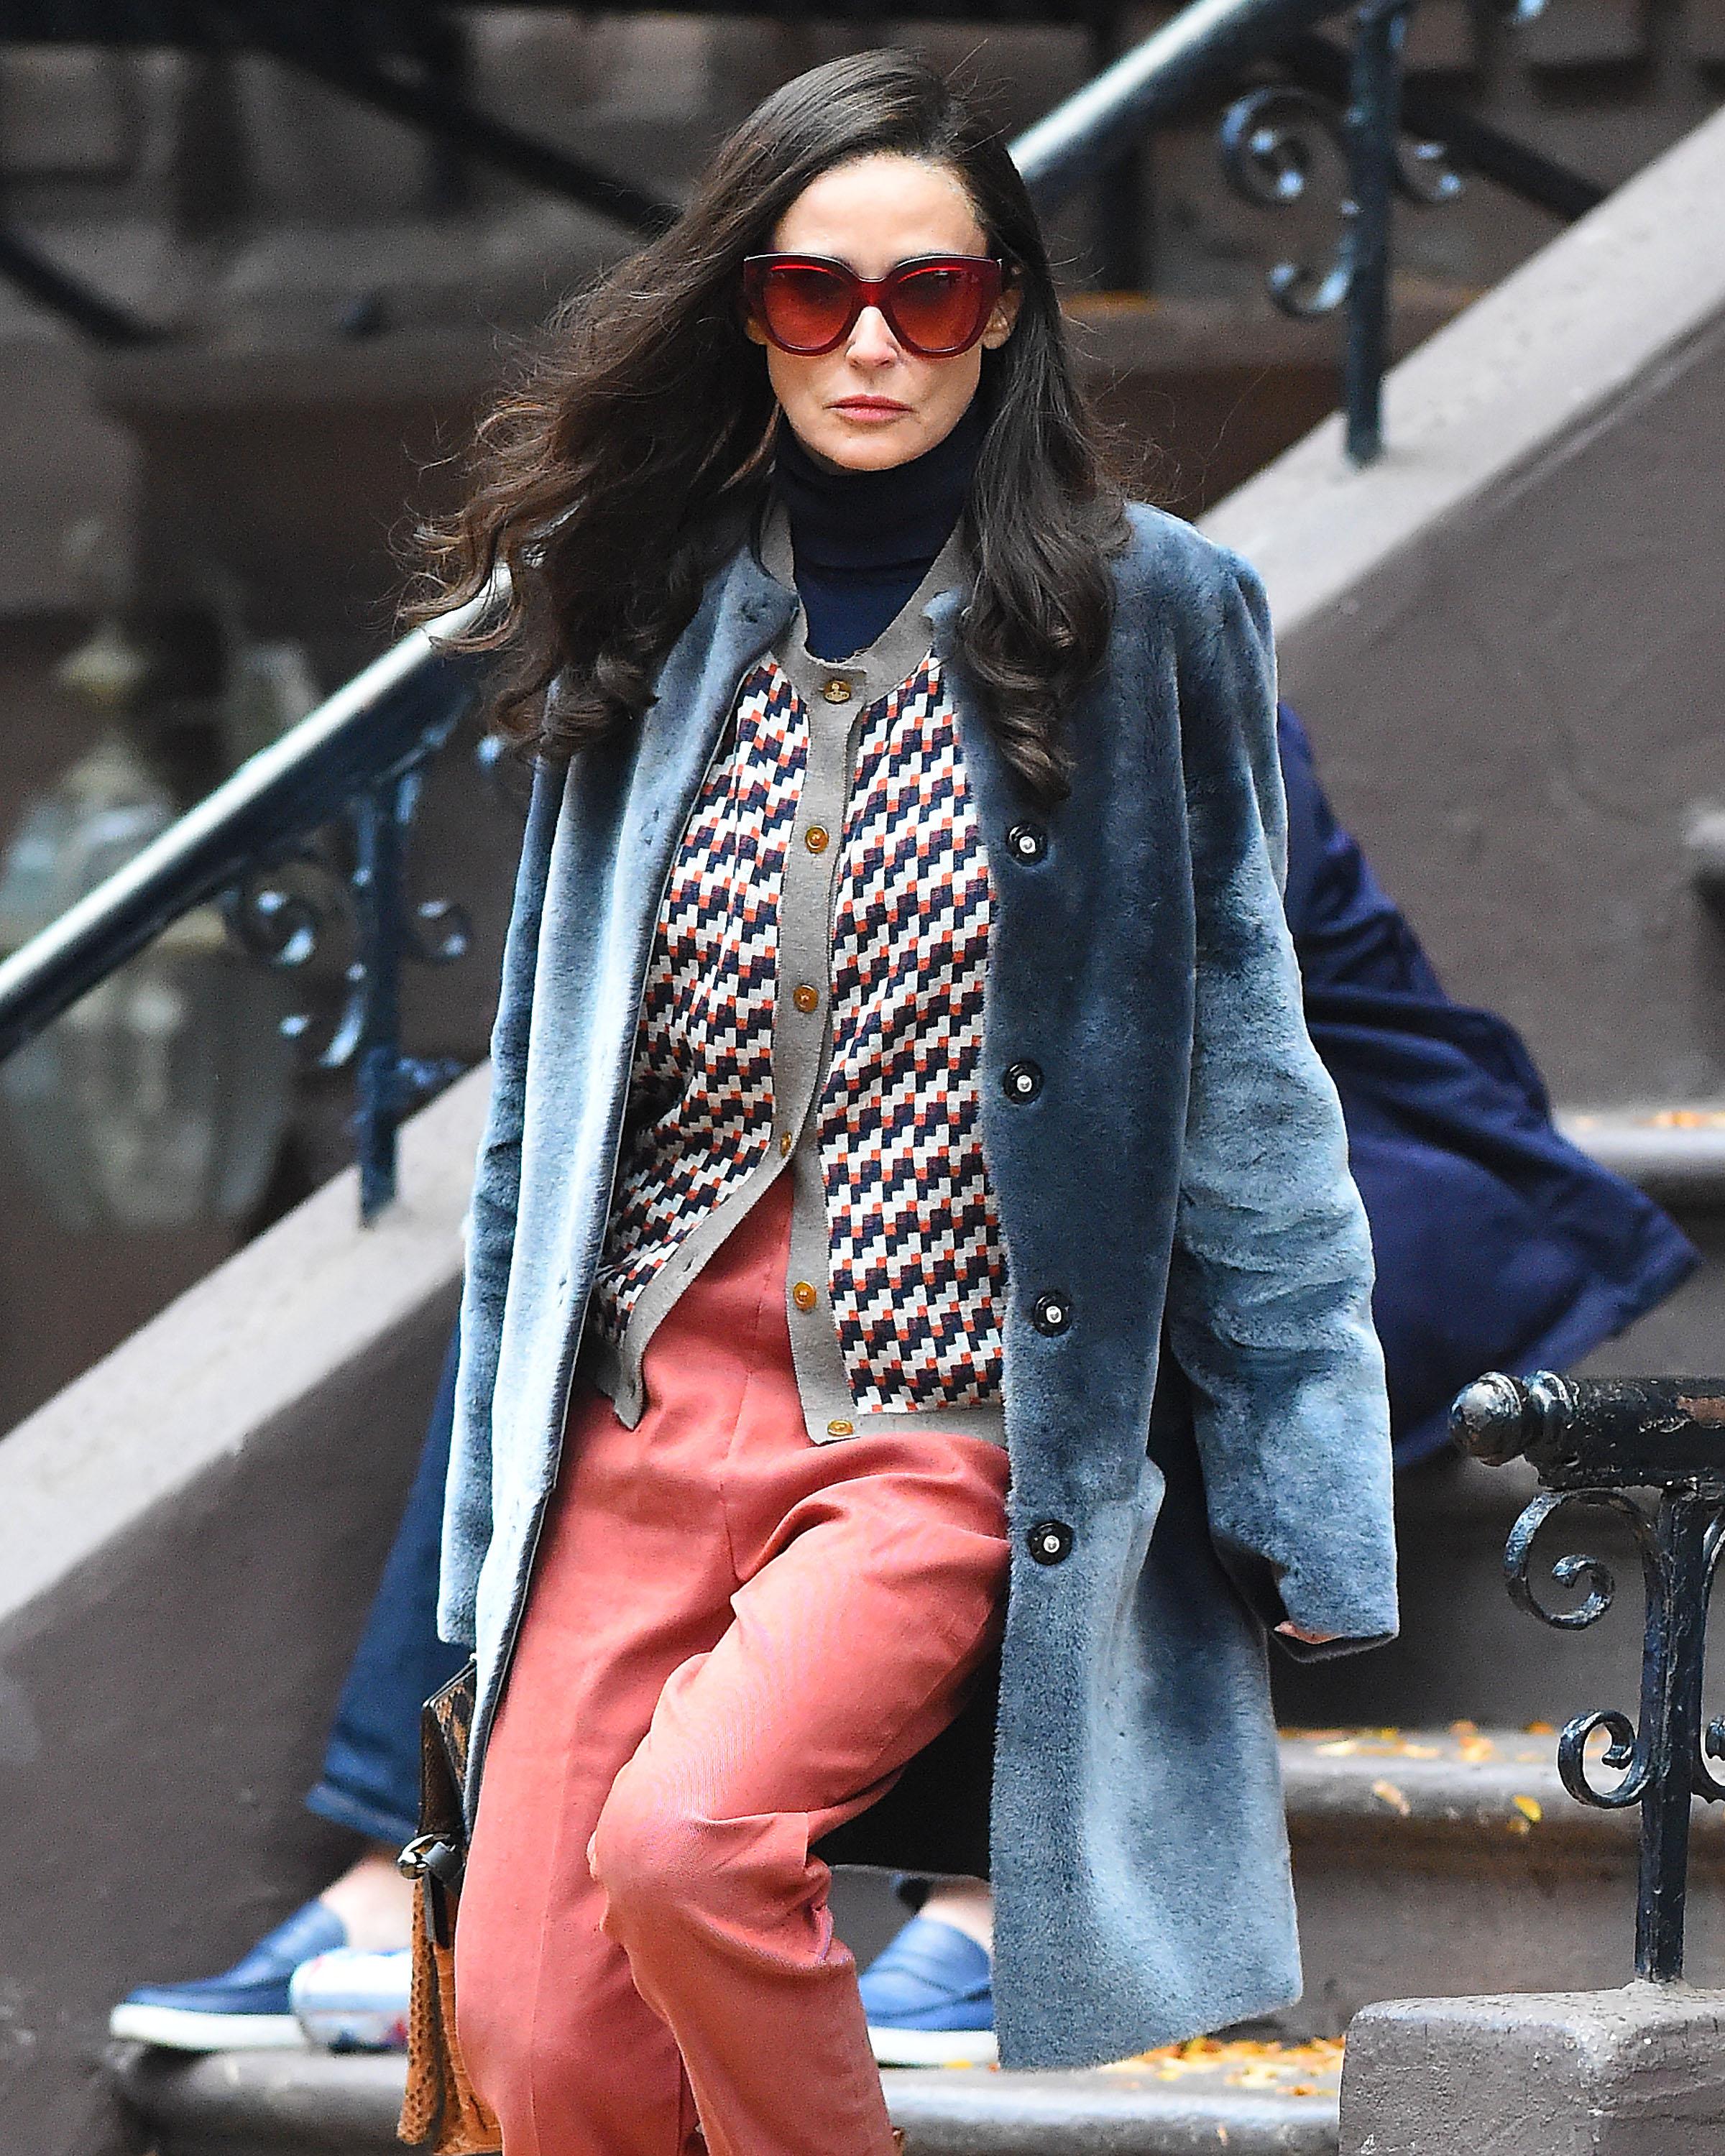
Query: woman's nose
point(872, 342)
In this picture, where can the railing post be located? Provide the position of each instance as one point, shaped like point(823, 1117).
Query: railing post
point(379, 816)
point(1123, 234)
point(1672, 1668)
point(1595, 1441)
point(388, 1085)
point(1373, 125)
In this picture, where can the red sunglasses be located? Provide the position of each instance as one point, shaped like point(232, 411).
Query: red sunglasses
point(937, 305)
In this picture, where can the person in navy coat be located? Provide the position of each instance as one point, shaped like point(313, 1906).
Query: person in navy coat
point(1499, 1245)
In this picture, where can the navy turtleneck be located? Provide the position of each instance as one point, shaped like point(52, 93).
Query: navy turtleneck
point(864, 541)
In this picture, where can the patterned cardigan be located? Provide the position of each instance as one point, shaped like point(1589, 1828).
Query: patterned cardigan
point(813, 1008)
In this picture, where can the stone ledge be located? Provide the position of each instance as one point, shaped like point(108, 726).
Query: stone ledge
point(265, 2103)
point(1632, 2072)
point(1113, 2111)
point(1400, 1790)
point(1675, 1154)
point(170, 1644)
point(1532, 365)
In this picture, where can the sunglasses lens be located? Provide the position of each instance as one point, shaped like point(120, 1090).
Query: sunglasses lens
point(805, 308)
point(939, 310)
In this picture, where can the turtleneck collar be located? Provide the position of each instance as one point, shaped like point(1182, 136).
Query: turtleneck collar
point(864, 541)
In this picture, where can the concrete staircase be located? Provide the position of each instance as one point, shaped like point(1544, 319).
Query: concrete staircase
point(1426, 1864)
point(276, 2104)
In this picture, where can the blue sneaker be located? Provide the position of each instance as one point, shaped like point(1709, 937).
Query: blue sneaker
point(245, 2008)
point(930, 1999)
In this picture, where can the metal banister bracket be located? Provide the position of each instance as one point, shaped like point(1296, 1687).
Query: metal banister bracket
point(1615, 1443)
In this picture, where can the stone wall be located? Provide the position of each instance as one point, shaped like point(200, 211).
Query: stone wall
point(1505, 637)
point(189, 1538)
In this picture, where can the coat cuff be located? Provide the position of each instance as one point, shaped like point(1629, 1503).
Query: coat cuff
point(1303, 1650)
point(1358, 1624)
point(1274, 1595)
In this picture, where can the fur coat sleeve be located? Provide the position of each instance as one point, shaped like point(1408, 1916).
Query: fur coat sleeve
point(1269, 1293)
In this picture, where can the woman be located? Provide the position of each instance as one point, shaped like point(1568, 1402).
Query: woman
point(1496, 1245)
point(899, 1038)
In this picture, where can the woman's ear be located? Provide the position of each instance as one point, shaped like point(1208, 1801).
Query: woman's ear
point(1002, 321)
point(751, 329)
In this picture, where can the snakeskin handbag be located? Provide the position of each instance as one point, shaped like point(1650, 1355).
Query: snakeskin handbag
point(442, 2110)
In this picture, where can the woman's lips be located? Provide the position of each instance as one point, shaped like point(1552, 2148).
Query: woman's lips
point(870, 407)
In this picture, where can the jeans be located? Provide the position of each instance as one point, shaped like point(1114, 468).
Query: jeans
point(370, 1769)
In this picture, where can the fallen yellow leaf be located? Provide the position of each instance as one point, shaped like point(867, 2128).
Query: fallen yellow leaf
point(1387, 1793)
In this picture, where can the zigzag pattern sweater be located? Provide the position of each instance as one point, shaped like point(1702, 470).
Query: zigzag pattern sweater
point(914, 1275)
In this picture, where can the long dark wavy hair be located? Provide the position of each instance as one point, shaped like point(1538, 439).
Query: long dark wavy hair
point(608, 476)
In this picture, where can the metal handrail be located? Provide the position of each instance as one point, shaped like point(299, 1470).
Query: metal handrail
point(369, 733)
point(1193, 51)
point(1650, 1451)
point(360, 756)
point(362, 752)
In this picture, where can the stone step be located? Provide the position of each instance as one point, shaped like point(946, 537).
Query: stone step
point(1439, 1863)
point(1433, 1863)
point(1242, 2099)
point(1466, 1652)
point(1427, 1864)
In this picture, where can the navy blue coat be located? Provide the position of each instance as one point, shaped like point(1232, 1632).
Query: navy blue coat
point(1499, 1246)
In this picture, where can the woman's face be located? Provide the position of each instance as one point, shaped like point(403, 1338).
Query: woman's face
point(870, 404)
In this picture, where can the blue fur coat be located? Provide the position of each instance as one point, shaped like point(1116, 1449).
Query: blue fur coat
point(1180, 1182)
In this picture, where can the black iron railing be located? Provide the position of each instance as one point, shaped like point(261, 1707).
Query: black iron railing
point(361, 756)
point(406, 62)
point(1355, 99)
point(1613, 1444)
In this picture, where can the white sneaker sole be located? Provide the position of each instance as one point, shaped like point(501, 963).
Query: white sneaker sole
point(177, 2029)
point(933, 2047)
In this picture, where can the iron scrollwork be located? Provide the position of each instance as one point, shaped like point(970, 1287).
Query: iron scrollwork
point(1265, 154)
point(1625, 1754)
point(1272, 142)
point(1267, 142)
point(1595, 1443)
point(282, 914)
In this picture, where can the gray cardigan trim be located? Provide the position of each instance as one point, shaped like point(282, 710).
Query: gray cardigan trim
point(838, 695)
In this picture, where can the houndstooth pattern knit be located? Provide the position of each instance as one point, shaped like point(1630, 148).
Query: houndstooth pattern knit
point(701, 1091)
point(915, 1271)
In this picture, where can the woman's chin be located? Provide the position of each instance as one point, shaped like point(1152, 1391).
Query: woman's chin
point(864, 445)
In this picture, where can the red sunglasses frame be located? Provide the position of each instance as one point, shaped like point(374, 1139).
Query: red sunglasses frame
point(985, 272)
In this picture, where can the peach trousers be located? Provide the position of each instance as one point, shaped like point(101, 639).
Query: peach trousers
point(734, 1641)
